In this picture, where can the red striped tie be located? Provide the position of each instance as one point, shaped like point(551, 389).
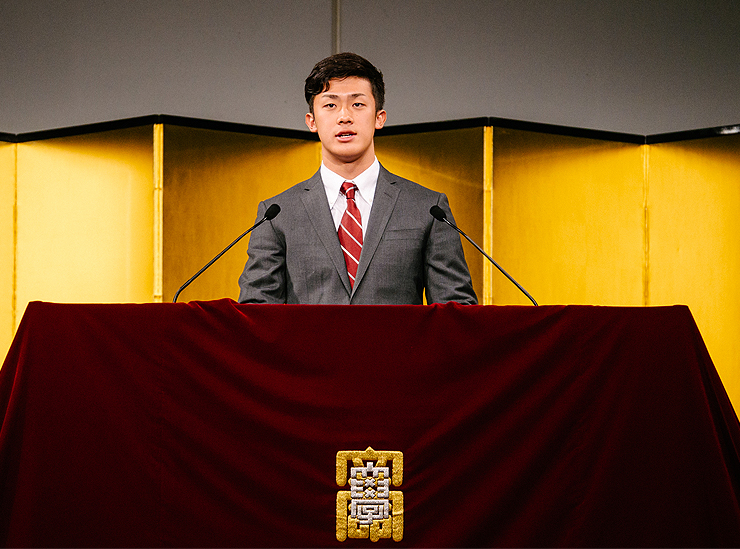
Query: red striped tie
point(350, 231)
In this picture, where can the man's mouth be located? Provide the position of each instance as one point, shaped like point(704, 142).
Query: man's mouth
point(345, 135)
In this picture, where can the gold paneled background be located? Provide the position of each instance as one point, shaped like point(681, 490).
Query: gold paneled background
point(574, 220)
point(84, 219)
point(7, 244)
point(694, 235)
point(213, 183)
point(568, 219)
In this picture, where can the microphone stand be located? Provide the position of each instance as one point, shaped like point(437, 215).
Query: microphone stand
point(440, 215)
point(271, 212)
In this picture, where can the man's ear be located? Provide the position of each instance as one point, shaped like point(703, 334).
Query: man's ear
point(380, 118)
point(311, 122)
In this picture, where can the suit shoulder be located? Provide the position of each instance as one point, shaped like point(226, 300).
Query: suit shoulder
point(412, 187)
point(292, 192)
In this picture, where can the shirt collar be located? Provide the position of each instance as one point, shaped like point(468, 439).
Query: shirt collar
point(366, 182)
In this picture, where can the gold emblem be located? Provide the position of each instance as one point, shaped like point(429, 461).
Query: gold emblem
point(370, 509)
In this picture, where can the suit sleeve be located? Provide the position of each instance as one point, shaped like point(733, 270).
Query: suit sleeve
point(447, 277)
point(263, 279)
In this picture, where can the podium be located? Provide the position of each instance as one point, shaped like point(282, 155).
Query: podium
point(221, 425)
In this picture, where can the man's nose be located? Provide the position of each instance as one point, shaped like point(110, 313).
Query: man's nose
point(345, 115)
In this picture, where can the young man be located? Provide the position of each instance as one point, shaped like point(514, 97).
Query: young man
point(353, 233)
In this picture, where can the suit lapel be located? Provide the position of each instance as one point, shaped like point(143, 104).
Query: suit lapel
point(386, 194)
point(317, 205)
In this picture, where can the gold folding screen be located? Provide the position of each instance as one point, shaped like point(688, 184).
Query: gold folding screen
point(213, 181)
point(7, 244)
point(130, 214)
point(568, 219)
point(84, 218)
point(76, 221)
point(694, 235)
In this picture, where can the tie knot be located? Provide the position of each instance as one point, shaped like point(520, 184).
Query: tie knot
point(348, 189)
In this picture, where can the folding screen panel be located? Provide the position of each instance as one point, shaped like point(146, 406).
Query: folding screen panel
point(84, 218)
point(213, 182)
point(568, 219)
point(694, 209)
point(7, 244)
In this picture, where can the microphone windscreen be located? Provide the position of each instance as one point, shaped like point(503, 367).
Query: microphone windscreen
point(272, 212)
point(438, 213)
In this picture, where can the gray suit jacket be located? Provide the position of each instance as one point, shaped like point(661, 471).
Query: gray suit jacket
point(296, 257)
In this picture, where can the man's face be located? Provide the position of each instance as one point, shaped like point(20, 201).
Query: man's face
point(344, 117)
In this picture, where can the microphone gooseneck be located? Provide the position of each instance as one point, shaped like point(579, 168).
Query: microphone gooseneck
point(440, 215)
point(271, 213)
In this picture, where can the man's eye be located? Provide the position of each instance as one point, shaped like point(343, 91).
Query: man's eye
point(358, 104)
point(329, 105)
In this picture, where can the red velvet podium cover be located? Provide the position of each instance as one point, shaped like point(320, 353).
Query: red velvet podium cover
point(217, 424)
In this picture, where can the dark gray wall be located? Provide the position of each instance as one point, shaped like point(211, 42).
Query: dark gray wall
point(638, 66)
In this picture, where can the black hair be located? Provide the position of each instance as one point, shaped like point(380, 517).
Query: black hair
point(344, 65)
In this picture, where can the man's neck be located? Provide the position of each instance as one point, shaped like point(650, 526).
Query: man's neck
point(350, 170)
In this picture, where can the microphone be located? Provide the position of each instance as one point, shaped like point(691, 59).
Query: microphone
point(440, 215)
point(271, 213)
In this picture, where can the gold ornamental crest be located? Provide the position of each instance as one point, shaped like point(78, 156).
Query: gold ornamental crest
point(370, 509)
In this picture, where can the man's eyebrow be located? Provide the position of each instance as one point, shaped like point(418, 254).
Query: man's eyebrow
point(336, 96)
